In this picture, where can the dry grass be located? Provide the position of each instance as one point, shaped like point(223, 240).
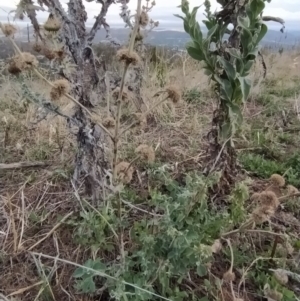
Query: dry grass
point(33, 202)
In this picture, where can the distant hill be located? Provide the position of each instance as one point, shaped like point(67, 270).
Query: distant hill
point(178, 39)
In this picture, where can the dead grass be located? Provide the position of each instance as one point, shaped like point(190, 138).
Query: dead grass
point(33, 202)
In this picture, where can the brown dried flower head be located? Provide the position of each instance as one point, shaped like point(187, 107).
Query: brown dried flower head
point(229, 276)
point(8, 30)
point(141, 119)
point(52, 24)
point(109, 122)
point(274, 295)
point(173, 94)
point(146, 152)
point(262, 214)
point(128, 57)
point(269, 199)
point(48, 53)
point(277, 180)
point(60, 54)
point(144, 19)
point(292, 190)
point(60, 88)
point(22, 62)
point(124, 172)
point(37, 47)
point(255, 197)
point(281, 276)
point(125, 94)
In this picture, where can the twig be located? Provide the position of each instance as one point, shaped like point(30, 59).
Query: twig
point(51, 231)
point(20, 165)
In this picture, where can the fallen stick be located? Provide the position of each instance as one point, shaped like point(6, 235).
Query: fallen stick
point(19, 165)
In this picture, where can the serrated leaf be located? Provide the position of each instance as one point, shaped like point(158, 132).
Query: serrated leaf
point(88, 285)
point(245, 87)
point(227, 66)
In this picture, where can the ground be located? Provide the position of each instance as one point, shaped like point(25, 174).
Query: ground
point(176, 232)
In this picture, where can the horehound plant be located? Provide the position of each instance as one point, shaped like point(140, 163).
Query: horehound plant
point(228, 64)
point(64, 37)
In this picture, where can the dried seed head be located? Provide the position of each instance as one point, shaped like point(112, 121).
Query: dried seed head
point(22, 62)
point(144, 19)
point(146, 152)
point(60, 54)
point(229, 276)
point(60, 88)
point(37, 47)
point(269, 199)
point(281, 276)
point(173, 94)
point(48, 53)
point(292, 190)
point(277, 180)
point(262, 214)
point(8, 30)
point(255, 197)
point(141, 119)
point(274, 295)
point(52, 24)
point(124, 172)
point(217, 246)
point(139, 36)
point(128, 57)
point(109, 122)
point(125, 96)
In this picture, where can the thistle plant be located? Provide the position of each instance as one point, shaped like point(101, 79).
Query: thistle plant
point(228, 64)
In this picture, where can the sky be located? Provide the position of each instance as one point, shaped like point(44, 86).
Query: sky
point(164, 12)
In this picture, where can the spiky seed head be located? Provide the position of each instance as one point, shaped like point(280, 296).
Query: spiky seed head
point(269, 199)
point(144, 19)
point(109, 122)
point(60, 88)
point(262, 214)
point(48, 53)
point(124, 172)
point(277, 180)
point(173, 94)
point(125, 94)
point(52, 24)
point(217, 246)
point(229, 276)
point(37, 47)
point(255, 197)
point(281, 276)
point(60, 54)
point(146, 152)
point(9, 30)
point(132, 57)
point(274, 295)
point(22, 62)
point(141, 119)
point(292, 190)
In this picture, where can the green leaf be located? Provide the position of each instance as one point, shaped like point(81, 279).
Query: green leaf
point(201, 270)
point(234, 52)
point(245, 87)
point(246, 40)
point(256, 7)
point(195, 53)
point(247, 68)
point(262, 33)
point(244, 22)
point(88, 285)
point(197, 33)
point(211, 32)
point(79, 272)
point(227, 66)
point(239, 66)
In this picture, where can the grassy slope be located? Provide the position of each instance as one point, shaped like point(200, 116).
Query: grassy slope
point(173, 245)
